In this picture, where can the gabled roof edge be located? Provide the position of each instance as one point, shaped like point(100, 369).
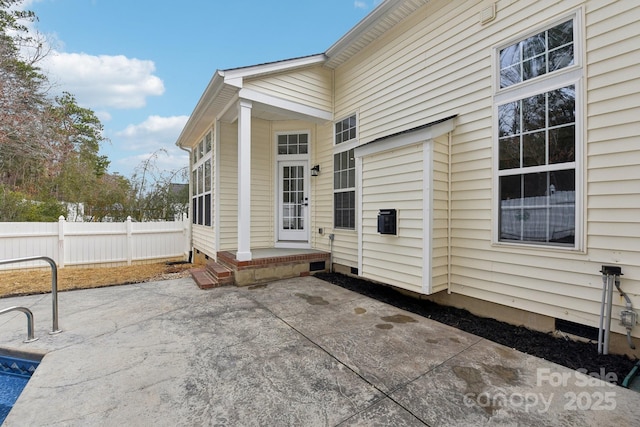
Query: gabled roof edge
point(275, 66)
point(355, 32)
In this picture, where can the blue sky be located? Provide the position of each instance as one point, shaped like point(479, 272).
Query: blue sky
point(142, 65)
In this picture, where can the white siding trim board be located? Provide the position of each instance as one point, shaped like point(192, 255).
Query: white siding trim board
point(427, 215)
point(415, 229)
point(304, 111)
point(403, 139)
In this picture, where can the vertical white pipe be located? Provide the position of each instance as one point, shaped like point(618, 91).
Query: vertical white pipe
point(449, 174)
point(601, 324)
point(610, 280)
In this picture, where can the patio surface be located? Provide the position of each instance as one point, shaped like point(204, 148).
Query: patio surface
point(293, 352)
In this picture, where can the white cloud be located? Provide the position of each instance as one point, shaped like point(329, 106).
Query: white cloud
point(154, 132)
point(156, 135)
point(104, 116)
point(97, 81)
point(362, 4)
point(26, 4)
point(104, 81)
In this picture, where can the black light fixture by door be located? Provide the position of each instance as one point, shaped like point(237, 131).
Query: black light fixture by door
point(315, 171)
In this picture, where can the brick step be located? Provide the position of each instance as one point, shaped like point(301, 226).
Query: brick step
point(203, 278)
point(222, 274)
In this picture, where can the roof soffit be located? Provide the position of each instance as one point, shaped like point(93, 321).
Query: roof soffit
point(379, 21)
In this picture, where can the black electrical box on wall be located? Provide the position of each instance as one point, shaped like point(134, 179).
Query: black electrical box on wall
point(387, 221)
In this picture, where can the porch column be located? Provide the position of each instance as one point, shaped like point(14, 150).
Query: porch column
point(244, 181)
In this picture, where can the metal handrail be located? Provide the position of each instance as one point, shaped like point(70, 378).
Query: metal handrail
point(54, 285)
point(30, 334)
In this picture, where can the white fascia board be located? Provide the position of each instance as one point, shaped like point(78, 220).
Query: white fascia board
point(404, 139)
point(213, 89)
point(361, 27)
point(236, 75)
point(300, 109)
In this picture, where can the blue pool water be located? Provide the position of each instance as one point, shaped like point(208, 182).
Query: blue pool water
point(14, 375)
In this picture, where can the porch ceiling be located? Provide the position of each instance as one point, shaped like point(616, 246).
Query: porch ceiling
point(259, 111)
point(270, 112)
point(219, 99)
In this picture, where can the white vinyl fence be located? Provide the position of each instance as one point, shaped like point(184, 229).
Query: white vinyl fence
point(93, 244)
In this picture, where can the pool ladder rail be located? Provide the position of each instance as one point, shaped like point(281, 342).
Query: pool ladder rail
point(30, 331)
point(54, 297)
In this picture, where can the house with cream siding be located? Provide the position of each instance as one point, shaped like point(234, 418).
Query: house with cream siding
point(482, 154)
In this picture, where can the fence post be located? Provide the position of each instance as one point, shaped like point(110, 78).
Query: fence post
point(61, 222)
point(129, 241)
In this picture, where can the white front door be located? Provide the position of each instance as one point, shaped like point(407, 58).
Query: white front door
point(293, 201)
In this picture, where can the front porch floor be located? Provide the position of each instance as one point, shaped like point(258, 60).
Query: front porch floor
point(272, 264)
point(266, 265)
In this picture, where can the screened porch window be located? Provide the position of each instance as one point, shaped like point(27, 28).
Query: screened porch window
point(201, 178)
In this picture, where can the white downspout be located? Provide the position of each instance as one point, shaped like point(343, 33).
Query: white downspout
point(189, 204)
point(449, 218)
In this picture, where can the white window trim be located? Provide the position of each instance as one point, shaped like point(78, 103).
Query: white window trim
point(578, 52)
point(353, 141)
point(194, 168)
point(356, 190)
point(293, 156)
point(573, 75)
point(276, 186)
point(337, 149)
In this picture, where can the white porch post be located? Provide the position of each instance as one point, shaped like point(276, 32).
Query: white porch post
point(244, 180)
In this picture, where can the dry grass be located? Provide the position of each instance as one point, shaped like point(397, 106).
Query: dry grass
point(28, 282)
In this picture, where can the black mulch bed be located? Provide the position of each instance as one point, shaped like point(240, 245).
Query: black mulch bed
point(569, 353)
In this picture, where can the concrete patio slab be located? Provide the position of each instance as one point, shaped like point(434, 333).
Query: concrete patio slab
point(292, 352)
point(494, 385)
point(386, 346)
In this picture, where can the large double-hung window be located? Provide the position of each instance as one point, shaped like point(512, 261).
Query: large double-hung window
point(344, 174)
point(538, 137)
point(201, 177)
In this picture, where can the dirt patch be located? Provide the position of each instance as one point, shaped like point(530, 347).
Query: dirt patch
point(572, 354)
point(27, 282)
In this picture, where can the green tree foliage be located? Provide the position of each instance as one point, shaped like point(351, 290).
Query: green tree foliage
point(16, 207)
point(23, 119)
point(78, 167)
point(50, 148)
point(156, 196)
point(110, 200)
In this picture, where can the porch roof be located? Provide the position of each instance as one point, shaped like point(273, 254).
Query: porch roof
point(225, 85)
point(407, 137)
